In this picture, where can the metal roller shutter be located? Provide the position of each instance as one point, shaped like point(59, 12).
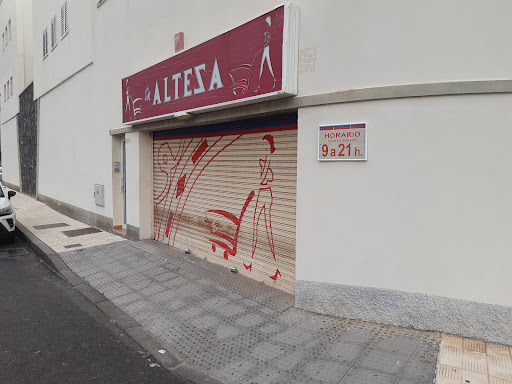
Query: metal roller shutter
point(227, 193)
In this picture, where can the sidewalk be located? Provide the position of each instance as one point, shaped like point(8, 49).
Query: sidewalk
point(220, 327)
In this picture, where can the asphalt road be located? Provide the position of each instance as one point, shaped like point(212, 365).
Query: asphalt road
point(49, 333)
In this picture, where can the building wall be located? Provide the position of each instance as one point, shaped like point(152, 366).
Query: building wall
point(73, 52)
point(73, 154)
point(10, 156)
point(376, 43)
point(11, 62)
point(28, 52)
point(429, 212)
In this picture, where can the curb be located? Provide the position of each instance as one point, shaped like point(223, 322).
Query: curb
point(169, 359)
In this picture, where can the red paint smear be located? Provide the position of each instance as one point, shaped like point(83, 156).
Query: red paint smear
point(199, 151)
point(176, 186)
point(236, 220)
point(199, 174)
point(270, 140)
point(249, 267)
point(275, 276)
point(168, 227)
point(181, 185)
point(176, 214)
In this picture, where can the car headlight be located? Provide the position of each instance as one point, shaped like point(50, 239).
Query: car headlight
point(6, 211)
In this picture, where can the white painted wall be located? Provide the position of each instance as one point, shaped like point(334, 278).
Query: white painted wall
point(28, 52)
point(139, 182)
point(72, 53)
point(11, 60)
point(430, 210)
point(368, 43)
point(73, 153)
point(9, 148)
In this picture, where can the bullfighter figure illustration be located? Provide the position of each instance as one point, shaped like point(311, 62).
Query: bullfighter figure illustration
point(241, 75)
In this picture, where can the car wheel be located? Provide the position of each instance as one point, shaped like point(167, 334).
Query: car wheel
point(12, 237)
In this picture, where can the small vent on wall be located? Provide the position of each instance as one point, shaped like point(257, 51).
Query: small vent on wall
point(64, 19)
point(54, 31)
point(45, 42)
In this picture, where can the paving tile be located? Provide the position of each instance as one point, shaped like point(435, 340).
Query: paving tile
point(418, 371)
point(474, 362)
point(250, 320)
point(495, 380)
point(323, 371)
point(359, 336)
point(383, 361)
point(500, 373)
point(398, 345)
point(367, 376)
point(344, 352)
point(225, 331)
point(268, 376)
point(445, 372)
point(499, 351)
point(474, 345)
point(474, 378)
point(294, 336)
point(451, 356)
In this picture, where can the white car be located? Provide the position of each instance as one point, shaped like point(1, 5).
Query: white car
point(7, 214)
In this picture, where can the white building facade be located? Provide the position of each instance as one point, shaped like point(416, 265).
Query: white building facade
point(16, 75)
point(413, 230)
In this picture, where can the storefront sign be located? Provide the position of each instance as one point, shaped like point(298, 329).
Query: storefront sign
point(342, 142)
point(253, 61)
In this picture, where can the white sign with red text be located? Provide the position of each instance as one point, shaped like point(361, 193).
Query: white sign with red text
point(342, 142)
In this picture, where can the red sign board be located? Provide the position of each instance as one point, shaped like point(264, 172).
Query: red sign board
point(241, 65)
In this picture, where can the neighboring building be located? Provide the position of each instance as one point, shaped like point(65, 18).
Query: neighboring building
point(222, 145)
point(17, 105)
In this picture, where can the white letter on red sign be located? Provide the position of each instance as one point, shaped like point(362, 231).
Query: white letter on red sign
point(156, 98)
point(167, 97)
point(199, 89)
point(186, 83)
point(175, 78)
point(215, 81)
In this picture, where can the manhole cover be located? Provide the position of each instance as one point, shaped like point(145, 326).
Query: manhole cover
point(81, 232)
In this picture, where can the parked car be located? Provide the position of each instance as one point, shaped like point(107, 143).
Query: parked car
point(0, 174)
point(7, 214)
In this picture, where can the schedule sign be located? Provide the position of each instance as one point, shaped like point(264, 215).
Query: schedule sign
point(342, 142)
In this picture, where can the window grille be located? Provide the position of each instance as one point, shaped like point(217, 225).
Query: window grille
point(45, 42)
point(64, 21)
point(54, 31)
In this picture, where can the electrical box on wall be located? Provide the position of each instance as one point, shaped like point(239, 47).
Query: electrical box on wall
point(99, 196)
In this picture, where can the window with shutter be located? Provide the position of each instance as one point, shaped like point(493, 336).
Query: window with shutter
point(45, 42)
point(64, 21)
point(54, 31)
